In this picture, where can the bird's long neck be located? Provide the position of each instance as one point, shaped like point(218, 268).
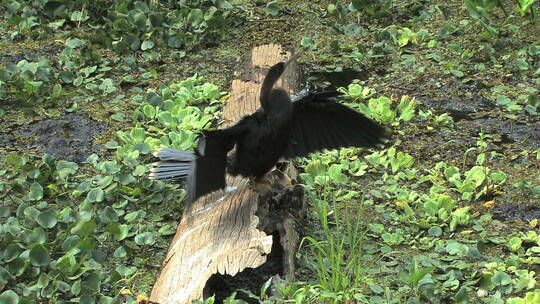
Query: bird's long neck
point(269, 81)
point(267, 86)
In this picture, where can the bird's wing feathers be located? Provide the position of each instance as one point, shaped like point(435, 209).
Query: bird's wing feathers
point(319, 123)
point(209, 174)
point(204, 167)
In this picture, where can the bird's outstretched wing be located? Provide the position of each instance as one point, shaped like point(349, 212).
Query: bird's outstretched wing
point(319, 122)
point(204, 167)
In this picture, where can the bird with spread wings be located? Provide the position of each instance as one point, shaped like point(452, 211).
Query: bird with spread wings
point(280, 128)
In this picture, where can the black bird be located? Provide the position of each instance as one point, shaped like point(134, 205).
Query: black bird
point(281, 127)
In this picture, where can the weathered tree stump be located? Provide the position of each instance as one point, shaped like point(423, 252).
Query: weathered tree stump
point(235, 229)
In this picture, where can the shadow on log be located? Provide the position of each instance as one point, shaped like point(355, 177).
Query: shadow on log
point(247, 232)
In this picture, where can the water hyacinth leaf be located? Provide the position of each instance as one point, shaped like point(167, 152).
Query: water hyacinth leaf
point(166, 118)
point(95, 195)
point(76, 287)
point(455, 248)
point(38, 235)
point(514, 244)
point(149, 111)
point(145, 238)
point(75, 42)
point(108, 215)
point(84, 228)
point(70, 242)
point(120, 252)
point(12, 226)
point(137, 135)
point(67, 263)
point(39, 255)
point(67, 167)
point(126, 271)
point(195, 17)
point(272, 7)
point(47, 219)
point(147, 44)
point(12, 252)
point(462, 297)
point(17, 266)
point(143, 148)
point(118, 116)
point(15, 161)
point(335, 173)
point(86, 299)
point(120, 232)
point(92, 282)
point(308, 43)
point(435, 231)
point(36, 192)
point(9, 297)
point(501, 278)
point(111, 145)
point(133, 42)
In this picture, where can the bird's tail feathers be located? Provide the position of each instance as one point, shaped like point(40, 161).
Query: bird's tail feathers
point(174, 164)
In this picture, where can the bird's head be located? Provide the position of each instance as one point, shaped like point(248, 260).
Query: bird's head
point(277, 69)
point(270, 100)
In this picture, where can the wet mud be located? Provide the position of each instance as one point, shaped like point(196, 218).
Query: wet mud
point(70, 137)
point(31, 54)
point(524, 212)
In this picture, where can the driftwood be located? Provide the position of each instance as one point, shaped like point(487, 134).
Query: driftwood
point(238, 228)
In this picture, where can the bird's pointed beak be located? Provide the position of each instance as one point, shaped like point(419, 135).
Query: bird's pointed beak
point(293, 58)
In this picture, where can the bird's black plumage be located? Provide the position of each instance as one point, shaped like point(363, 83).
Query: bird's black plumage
point(279, 128)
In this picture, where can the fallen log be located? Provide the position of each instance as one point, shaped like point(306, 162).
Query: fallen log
point(247, 229)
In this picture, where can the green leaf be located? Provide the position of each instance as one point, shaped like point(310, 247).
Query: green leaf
point(133, 41)
point(137, 135)
point(120, 252)
point(75, 42)
point(120, 232)
point(166, 118)
point(95, 195)
point(514, 244)
point(272, 7)
point(308, 43)
point(9, 297)
point(12, 252)
point(147, 45)
point(92, 282)
point(145, 238)
point(112, 145)
point(70, 242)
point(435, 231)
point(108, 215)
point(38, 235)
point(36, 192)
point(143, 147)
point(118, 116)
point(501, 278)
point(149, 111)
point(418, 275)
point(462, 297)
point(84, 228)
point(39, 255)
point(195, 17)
point(86, 299)
point(455, 248)
point(47, 219)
